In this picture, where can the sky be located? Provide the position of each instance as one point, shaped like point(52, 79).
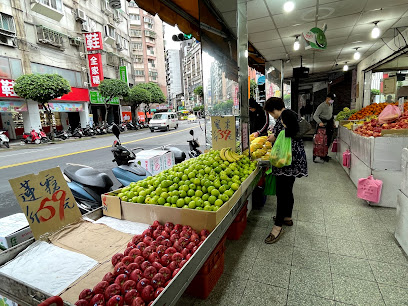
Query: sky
point(169, 31)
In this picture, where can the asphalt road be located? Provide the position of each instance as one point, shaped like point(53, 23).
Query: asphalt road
point(94, 152)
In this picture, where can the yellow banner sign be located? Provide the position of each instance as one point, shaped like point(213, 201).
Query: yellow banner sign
point(46, 200)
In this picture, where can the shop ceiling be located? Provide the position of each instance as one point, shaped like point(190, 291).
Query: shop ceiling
point(349, 24)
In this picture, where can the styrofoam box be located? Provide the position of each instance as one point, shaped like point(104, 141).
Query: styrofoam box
point(344, 134)
point(155, 161)
point(387, 153)
point(402, 221)
point(358, 169)
point(404, 169)
point(14, 229)
point(391, 182)
point(362, 147)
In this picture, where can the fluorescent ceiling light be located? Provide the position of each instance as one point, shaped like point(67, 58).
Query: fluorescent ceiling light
point(296, 45)
point(345, 67)
point(289, 6)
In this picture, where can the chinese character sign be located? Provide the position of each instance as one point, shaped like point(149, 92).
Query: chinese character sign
point(95, 69)
point(223, 132)
point(93, 41)
point(46, 200)
point(7, 88)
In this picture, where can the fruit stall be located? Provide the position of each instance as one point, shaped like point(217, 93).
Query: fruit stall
point(150, 242)
point(375, 148)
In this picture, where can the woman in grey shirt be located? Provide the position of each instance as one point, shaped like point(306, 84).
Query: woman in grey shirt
point(324, 118)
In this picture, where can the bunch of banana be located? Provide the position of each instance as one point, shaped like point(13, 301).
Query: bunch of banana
point(227, 154)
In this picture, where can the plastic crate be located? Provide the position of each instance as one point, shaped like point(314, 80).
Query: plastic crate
point(238, 226)
point(209, 274)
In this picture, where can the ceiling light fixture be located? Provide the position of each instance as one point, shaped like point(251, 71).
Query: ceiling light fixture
point(375, 33)
point(296, 45)
point(345, 67)
point(357, 54)
point(289, 6)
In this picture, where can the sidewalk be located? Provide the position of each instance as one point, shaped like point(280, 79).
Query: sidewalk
point(340, 251)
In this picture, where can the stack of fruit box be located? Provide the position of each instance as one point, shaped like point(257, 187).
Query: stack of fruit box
point(238, 226)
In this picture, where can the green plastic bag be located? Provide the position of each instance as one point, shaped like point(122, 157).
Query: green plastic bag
point(270, 183)
point(281, 153)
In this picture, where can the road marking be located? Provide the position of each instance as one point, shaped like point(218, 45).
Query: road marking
point(30, 151)
point(90, 150)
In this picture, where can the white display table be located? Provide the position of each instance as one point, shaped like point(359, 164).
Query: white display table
point(401, 231)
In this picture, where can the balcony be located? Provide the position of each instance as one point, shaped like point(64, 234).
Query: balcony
point(51, 9)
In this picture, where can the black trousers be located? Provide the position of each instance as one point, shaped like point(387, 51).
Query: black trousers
point(284, 195)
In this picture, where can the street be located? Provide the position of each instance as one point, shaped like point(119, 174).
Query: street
point(93, 152)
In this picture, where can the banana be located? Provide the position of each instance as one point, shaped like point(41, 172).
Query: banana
point(228, 156)
point(222, 154)
point(236, 155)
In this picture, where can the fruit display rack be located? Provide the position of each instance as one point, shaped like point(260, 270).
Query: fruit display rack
point(24, 294)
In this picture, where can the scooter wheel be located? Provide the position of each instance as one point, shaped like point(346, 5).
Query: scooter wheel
point(7, 145)
point(37, 141)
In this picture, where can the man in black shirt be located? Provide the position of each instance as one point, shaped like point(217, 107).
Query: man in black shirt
point(258, 119)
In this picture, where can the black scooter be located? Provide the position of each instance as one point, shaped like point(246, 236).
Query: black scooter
point(194, 145)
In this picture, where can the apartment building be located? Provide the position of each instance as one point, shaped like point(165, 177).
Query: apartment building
point(47, 36)
point(173, 77)
point(192, 71)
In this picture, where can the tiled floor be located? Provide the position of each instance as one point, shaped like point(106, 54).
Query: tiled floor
point(340, 251)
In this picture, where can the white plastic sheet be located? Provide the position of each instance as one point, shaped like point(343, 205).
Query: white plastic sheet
point(123, 226)
point(47, 267)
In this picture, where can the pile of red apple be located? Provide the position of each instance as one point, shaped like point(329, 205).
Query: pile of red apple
point(146, 267)
point(373, 127)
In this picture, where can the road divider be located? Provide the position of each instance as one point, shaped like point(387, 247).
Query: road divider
point(93, 149)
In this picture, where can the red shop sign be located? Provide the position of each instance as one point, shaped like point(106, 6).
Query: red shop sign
point(95, 69)
point(93, 41)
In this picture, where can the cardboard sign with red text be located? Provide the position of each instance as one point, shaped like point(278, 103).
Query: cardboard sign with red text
point(223, 132)
point(46, 201)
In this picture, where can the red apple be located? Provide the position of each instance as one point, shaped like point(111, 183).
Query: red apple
point(98, 299)
point(86, 295)
point(131, 245)
point(183, 242)
point(121, 279)
point(156, 224)
point(148, 293)
point(136, 275)
point(177, 257)
point(161, 249)
point(157, 265)
point(160, 239)
point(136, 239)
point(116, 300)
point(127, 251)
point(182, 263)
point(133, 266)
point(195, 238)
point(160, 228)
point(112, 290)
point(165, 234)
point(130, 296)
point(127, 260)
point(188, 256)
point(185, 234)
point(166, 243)
point(82, 303)
point(100, 287)
point(173, 266)
point(190, 246)
point(185, 252)
point(138, 302)
point(142, 283)
point(158, 280)
point(135, 252)
point(154, 257)
point(139, 260)
point(120, 268)
point(117, 258)
point(148, 232)
point(148, 240)
point(149, 272)
point(156, 234)
point(141, 246)
point(177, 246)
point(147, 251)
point(169, 226)
point(155, 244)
point(158, 291)
point(166, 272)
point(145, 265)
point(109, 277)
point(188, 229)
point(204, 232)
point(174, 237)
point(178, 227)
point(175, 272)
point(128, 285)
point(165, 260)
point(170, 251)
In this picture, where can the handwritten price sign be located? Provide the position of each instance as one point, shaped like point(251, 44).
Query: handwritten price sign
point(223, 132)
point(46, 200)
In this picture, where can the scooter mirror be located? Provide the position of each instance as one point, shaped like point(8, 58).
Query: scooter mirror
point(115, 131)
point(192, 133)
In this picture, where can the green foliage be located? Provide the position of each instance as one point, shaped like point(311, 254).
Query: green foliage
point(222, 108)
point(113, 88)
point(199, 91)
point(198, 108)
point(138, 95)
point(375, 92)
point(41, 87)
point(156, 95)
point(253, 85)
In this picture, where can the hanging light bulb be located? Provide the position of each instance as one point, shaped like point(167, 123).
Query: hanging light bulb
point(246, 53)
point(345, 67)
point(289, 6)
point(375, 33)
point(357, 54)
point(296, 45)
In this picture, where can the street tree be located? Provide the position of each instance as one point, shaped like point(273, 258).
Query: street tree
point(138, 95)
point(156, 95)
point(253, 86)
point(198, 91)
point(110, 89)
point(42, 88)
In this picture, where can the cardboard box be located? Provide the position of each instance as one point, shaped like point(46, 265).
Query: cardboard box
point(155, 161)
point(14, 229)
point(145, 213)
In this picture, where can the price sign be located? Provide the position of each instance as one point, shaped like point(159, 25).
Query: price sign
point(46, 201)
point(223, 132)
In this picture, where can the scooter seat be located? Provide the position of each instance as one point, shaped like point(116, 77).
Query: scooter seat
point(134, 168)
point(88, 176)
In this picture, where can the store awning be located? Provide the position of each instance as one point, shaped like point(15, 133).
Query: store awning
point(12, 106)
point(66, 107)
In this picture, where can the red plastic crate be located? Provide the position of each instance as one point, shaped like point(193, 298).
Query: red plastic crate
point(238, 226)
point(209, 274)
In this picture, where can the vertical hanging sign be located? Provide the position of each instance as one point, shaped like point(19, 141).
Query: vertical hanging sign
point(123, 73)
point(93, 41)
point(95, 69)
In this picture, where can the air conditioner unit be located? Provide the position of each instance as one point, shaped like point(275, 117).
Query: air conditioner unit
point(8, 41)
point(80, 15)
point(74, 42)
point(84, 27)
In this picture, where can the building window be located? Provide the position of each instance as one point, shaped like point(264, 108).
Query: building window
point(132, 4)
point(138, 59)
point(125, 44)
point(110, 31)
point(106, 6)
point(150, 33)
point(135, 33)
point(91, 24)
point(7, 23)
point(73, 77)
point(10, 68)
point(148, 20)
point(134, 17)
point(50, 37)
point(137, 46)
point(55, 4)
point(150, 51)
point(148, 26)
point(151, 63)
point(139, 72)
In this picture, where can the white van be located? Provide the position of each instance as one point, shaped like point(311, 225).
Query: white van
point(163, 122)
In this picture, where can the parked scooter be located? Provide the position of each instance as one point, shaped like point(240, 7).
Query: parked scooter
point(88, 131)
point(131, 126)
point(62, 135)
point(31, 137)
point(4, 140)
point(194, 145)
point(43, 136)
point(78, 132)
